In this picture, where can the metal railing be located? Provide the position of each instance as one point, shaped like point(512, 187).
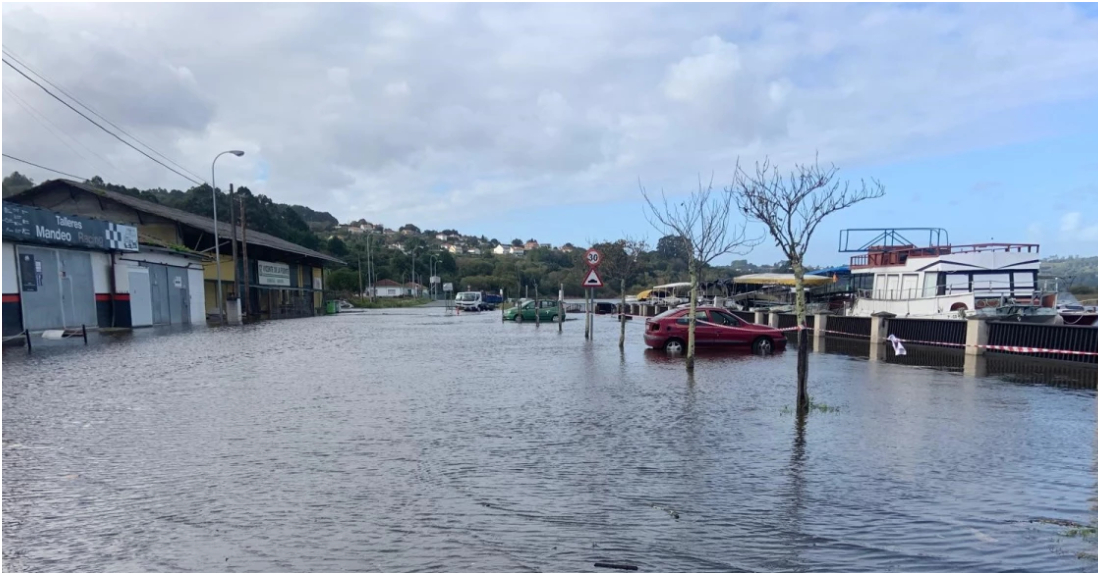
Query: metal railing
point(938, 330)
point(1067, 337)
point(849, 325)
point(893, 256)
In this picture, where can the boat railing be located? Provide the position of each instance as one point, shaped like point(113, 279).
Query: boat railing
point(983, 288)
point(878, 256)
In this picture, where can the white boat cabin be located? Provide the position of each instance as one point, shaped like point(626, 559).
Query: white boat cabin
point(943, 281)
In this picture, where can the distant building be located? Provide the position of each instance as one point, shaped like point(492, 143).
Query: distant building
point(389, 288)
point(441, 237)
point(501, 250)
point(452, 248)
point(474, 251)
point(517, 251)
point(531, 245)
point(567, 248)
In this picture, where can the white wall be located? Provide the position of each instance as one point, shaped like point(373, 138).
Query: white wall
point(11, 282)
point(101, 272)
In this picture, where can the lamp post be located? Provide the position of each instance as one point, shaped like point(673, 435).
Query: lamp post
point(432, 274)
point(217, 248)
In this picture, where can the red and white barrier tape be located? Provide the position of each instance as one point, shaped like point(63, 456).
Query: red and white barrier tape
point(1011, 348)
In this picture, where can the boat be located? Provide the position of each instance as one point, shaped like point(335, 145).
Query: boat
point(940, 280)
point(1073, 314)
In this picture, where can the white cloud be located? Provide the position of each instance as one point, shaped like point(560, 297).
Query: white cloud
point(1073, 230)
point(409, 113)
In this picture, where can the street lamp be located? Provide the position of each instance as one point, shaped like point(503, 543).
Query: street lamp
point(432, 261)
point(217, 248)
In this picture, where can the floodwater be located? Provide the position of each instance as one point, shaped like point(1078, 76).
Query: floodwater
point(409, 440)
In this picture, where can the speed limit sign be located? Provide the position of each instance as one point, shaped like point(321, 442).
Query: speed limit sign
point(592, 257)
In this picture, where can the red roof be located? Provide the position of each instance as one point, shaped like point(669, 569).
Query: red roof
point(387, 283)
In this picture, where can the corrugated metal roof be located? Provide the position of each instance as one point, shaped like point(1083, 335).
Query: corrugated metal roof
point(198, 222)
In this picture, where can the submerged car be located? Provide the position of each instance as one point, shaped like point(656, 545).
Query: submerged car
point(715, 327)
point(547, 310)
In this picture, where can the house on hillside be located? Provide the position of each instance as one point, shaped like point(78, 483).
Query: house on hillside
point(474, 251)
point(452, 248)
point(531, 245)
point(517, 251)
point(501, 249)
point(566, 248)
point(441, 237)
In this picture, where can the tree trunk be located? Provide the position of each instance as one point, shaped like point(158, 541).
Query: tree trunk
point(693, 275)
point(622, 314)
point(803, 336)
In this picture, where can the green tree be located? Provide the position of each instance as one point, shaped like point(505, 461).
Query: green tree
point(517, 243)
point(336, 247)
point(15, 183)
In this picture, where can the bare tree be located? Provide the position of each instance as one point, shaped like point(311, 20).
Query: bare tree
point(703, 223)
point(791, 207)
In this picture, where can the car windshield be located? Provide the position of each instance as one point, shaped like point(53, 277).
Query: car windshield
point(467, 296)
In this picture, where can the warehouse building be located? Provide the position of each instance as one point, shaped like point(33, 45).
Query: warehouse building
point(174, 258)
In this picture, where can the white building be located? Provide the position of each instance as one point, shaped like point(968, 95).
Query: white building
point(474, 251)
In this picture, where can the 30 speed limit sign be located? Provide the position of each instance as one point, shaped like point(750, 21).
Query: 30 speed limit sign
point(592, 257)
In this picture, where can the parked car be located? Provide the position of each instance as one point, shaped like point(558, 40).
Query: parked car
point(603, 307)
point(669, 331)
point(525, 311)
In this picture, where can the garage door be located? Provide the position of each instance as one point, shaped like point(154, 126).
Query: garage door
point(56, 289)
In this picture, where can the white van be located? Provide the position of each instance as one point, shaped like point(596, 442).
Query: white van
point(469, 301)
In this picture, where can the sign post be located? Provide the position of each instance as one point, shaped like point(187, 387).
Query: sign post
point(592, 280)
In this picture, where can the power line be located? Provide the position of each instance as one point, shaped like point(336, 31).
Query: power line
point(44, 167)
point(56, 131)
point(9, 54)
point(100, 126)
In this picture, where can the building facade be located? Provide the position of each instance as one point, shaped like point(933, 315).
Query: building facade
point(274, 278)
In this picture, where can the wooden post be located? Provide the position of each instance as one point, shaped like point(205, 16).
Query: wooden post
point(561, 306)
point(592, 313)
point(622, 314)
point(501, 305)
point(537, 323)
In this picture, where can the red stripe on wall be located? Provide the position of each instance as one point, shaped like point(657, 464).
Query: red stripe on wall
point(117, 296)
point(11, 298)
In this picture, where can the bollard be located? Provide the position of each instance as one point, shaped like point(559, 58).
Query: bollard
point(758, 317)
point(28, 335)
point(880, 327)
point(773, 319)
point(977, 333)
point(821, 323)
point(561, 306)
point(84, 332)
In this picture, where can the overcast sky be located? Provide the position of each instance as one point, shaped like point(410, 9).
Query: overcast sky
point(540, 120)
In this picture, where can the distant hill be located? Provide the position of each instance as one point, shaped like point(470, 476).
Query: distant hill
point(324, 220)
point(1071, 270)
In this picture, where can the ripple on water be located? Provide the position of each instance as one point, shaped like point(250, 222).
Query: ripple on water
point(415, 441)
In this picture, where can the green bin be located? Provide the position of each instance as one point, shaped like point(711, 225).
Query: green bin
point(332, 306)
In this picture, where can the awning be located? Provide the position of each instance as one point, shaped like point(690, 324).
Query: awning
point(780, 279)
point(644, 294)
point(676, 285)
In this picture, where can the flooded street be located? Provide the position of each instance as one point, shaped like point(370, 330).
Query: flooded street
point(412, 441)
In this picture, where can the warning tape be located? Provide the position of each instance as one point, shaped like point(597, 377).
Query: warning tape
point(1010, 348)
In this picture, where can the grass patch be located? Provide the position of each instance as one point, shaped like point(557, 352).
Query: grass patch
point(814, 406)
point(387, 302)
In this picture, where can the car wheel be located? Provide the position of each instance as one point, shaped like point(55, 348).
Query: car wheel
point(763, 346)
point(674, 346)
point(554, 318)
point(519, 318)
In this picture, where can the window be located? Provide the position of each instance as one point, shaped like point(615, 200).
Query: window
point(723, 318)
point(699, 316)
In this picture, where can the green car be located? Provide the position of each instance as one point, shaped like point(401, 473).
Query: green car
point(525, 311)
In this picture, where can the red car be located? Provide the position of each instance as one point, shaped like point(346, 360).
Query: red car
point(669, 331)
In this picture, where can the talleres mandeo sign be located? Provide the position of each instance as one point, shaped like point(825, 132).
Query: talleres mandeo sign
point(36, 225)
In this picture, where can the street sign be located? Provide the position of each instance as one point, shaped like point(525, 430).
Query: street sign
point(592, 280)
point(592, 257)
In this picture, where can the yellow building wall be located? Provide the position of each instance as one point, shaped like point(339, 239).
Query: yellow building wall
point(210, 270)
point(317, 299)
point(167, 233)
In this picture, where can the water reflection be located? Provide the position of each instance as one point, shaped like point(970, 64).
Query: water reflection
point(421, 442)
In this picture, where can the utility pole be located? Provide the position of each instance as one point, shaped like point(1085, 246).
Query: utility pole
point(360, 275)
point(233, 246)
point(244, 256)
